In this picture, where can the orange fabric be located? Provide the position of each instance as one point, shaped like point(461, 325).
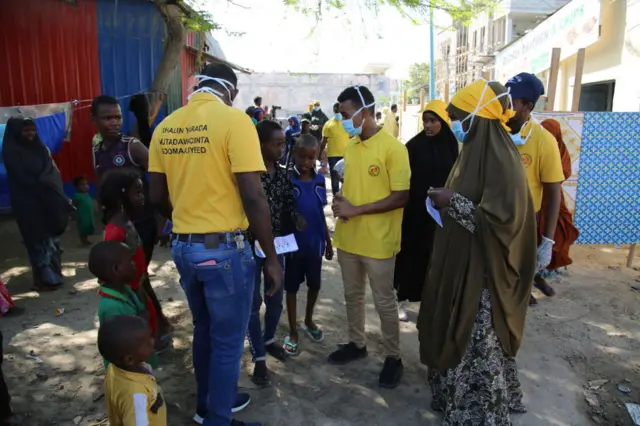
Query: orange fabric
point(566, 233)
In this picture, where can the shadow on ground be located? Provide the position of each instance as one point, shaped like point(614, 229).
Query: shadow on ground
point(589, 331)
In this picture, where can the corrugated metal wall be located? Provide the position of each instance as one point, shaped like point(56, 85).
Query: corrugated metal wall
point(48, 55)
point(174, 96)
point(187, 70)
point(130, 44)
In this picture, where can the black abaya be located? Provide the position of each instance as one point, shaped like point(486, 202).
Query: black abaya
point(431, 159)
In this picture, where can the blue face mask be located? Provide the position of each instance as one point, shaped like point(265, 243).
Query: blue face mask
point(517, 138)
point(349, 127)
point(348, 124)
point(338, 116)
point(316, 108)
point(458, 132)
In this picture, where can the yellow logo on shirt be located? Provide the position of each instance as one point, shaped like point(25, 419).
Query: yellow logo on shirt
point(526, 160)
point(374, 170)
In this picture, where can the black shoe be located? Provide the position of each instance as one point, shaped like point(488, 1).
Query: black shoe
point(391, 374)
point(239, 423)
point(242, 400)
point(347, 353)
point(260, 375)
point(276, 351)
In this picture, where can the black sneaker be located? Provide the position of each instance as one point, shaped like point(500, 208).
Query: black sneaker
point(242, 400)
point(260, 375)
point(391, 374)
point(346, 353)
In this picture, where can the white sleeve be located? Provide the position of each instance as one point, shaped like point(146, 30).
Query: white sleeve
point(140, 409)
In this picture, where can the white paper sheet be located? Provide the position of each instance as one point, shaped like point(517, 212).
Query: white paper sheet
point(435, 214)
point(285, 244)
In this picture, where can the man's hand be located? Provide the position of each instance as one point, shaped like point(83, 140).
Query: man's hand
point(441, 197)
point(545, 251)
point(273, 271)
point(342, 208)
point(328, 251)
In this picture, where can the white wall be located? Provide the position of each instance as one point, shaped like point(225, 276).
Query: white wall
point(294, 92)
point(606, 60)
point(627, 95)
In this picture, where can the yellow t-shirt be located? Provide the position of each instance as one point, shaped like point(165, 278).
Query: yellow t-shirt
point(540, 156)
point(373, 169)
point(133, 398)
point(391, 125)
point(337, 138)
point(199, 148)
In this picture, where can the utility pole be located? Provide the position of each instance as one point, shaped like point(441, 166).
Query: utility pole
point(432, 62)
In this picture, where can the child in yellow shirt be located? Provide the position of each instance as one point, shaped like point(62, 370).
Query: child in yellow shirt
point(132, 394)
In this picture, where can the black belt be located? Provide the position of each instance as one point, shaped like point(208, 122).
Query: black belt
point(214, 239)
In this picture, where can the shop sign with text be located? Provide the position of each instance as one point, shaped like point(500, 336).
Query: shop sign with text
point(572, 27)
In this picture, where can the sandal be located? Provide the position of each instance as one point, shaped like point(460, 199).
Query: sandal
point(315, 334)
point(290, 347)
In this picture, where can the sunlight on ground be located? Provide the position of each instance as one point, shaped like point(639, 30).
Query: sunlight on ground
point(614, 331)
point(14, 272)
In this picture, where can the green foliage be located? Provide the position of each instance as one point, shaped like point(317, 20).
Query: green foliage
point(417, 11)
point(196, 18)
point(418, 78)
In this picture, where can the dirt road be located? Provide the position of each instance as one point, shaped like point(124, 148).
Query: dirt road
point(589, 331)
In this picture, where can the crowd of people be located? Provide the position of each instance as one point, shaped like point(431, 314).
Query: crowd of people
point(230, 183)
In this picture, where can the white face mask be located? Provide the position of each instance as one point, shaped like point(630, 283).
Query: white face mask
point(224, 83)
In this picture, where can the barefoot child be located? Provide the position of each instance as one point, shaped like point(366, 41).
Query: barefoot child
point(122, 198)
point(132, 394)
point(284, 218)
point(85, 217)
point(112, 263)
point(313, 242)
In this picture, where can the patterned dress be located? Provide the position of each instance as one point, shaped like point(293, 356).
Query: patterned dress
point(282, 203)
point(484, 387)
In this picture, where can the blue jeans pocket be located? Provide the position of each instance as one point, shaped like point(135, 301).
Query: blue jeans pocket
point(217, 280)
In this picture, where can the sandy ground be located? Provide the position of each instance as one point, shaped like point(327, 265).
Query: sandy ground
point(589, 331)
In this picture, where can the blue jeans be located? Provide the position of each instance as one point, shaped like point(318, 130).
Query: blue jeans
point(257, 339)
point(219, 296)
point(335, 180)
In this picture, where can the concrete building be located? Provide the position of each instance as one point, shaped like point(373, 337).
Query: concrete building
point(466, 52)
point(293, 92)
point(610, 33)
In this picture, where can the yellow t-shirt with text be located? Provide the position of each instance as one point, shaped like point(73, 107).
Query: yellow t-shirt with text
point(200, 147)
point(337, 138)
point(540, 157)
point(133, 398)
point(373, 170)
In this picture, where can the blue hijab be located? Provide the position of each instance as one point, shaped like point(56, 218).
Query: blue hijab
point(289, 134)
point(292, 130)
point(256, 114)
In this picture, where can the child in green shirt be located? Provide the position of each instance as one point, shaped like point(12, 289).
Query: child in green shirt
point(112, 263)
point(85, 216)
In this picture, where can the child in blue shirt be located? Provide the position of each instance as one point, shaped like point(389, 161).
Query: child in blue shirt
point(314, 241)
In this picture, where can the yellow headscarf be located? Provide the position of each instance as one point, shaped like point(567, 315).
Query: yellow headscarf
point(480, 99)
point(439, 108)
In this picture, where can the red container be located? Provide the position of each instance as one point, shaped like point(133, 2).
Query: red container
point(49, 55)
